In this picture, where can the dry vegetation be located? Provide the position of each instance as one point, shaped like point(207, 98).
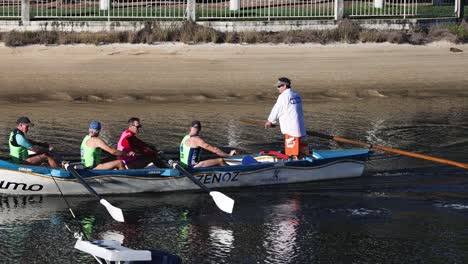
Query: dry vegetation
point(346, 32)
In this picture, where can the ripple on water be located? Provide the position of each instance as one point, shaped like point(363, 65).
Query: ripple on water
point(455, 206)
point(346, 226)
point(362, 212)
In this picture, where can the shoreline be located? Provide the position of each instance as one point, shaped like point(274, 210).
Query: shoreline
point(234, 72)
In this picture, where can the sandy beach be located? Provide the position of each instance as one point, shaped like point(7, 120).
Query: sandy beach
point(181, 72)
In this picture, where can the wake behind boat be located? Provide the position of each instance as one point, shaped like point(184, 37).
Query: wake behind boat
point(16, 179)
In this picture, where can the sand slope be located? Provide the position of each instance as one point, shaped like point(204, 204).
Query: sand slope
point(174, 71)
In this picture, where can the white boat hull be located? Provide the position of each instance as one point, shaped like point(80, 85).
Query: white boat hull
point(21, 182)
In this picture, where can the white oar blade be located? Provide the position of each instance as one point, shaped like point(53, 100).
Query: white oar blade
point(224, 203)
point(115, 212)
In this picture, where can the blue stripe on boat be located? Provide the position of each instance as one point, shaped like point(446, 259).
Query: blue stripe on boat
point(323, 157)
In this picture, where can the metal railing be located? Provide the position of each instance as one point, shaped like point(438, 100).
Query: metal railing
point(10, 8)
point(440, 2)
point(385, 8)
point(253, 9)
point(108, 8)
point(223, 9)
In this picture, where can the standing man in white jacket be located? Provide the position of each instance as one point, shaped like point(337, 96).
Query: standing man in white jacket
point(288, 110)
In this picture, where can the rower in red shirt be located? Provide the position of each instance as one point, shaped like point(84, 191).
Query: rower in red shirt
point(128, 141)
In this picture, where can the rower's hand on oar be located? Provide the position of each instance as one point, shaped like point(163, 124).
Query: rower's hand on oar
point(38, 150)
point(269, 124)
point(233, 152)
point(130, 154)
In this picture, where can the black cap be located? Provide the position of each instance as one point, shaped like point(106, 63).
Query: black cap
point(24, 120)
point(196, 124)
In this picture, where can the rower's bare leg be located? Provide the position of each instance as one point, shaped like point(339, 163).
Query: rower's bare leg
point(51, 161)
point(304, 151)
point(141, 162)
point(211, 163)
point(157, 160)
point(38, 159)
point(116, 164)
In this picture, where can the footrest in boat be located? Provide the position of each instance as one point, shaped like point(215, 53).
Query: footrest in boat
point(275, 153)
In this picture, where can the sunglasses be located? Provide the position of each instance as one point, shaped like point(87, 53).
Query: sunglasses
point(138, 127)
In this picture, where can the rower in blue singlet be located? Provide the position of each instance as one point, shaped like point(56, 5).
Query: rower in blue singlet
point(190, 149)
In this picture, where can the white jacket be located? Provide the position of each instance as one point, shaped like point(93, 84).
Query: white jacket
point(288, 110)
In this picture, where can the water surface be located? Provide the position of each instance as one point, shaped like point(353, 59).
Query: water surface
point(403, 210)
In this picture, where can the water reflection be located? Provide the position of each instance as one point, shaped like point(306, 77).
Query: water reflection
point(22, 209)
point(281, 227)
point(113, 235)
point(398, 212)
point(222, 239)
point(234, 133)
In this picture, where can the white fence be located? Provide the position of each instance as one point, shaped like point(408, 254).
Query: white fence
point(385, 8)
point(252, 9)
point(10, 8)
point(224, 9)
point(109, 9)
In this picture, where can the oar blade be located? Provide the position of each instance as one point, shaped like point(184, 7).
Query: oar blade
point(223, 202)
point(115, 212)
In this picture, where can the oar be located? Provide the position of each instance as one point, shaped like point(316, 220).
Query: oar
point(224, 202)
point(115, 212)
point(254, 121)
point(391, 150)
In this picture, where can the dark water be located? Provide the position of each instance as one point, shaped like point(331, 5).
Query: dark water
point(403, 210)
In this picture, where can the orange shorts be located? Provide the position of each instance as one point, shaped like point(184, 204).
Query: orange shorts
point(294, 145)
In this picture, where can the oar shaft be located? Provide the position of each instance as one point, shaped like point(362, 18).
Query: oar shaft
point(115, 212)
point(367, 145)
point(223, 202)
point(191, 177)
point(184, 171)
point(421, 156)
point(252, 121)
point(83, 182)
point(391, 150)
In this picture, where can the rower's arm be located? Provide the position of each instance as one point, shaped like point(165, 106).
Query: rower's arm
point(202, 143)
point(276, 110)
point(22, 141)
point(139, 144)
point(103, 145)
point(29, 144)
point(40, 144)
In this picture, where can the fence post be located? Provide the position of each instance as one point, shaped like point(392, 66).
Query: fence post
point(234, 5)
point(25, 7)
point(460, 8)
point(339, 9)
point(404, 9)
point(269, 10)
point(192, 10)
point(379, 3)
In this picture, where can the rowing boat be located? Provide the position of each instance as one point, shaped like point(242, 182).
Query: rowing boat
point(18, 179)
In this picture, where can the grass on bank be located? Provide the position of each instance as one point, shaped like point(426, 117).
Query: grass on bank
point(346, 32)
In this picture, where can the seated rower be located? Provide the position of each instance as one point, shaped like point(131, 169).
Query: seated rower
point(129, 142)
point(91, 147)
point(19, 146)
point(191, 146)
